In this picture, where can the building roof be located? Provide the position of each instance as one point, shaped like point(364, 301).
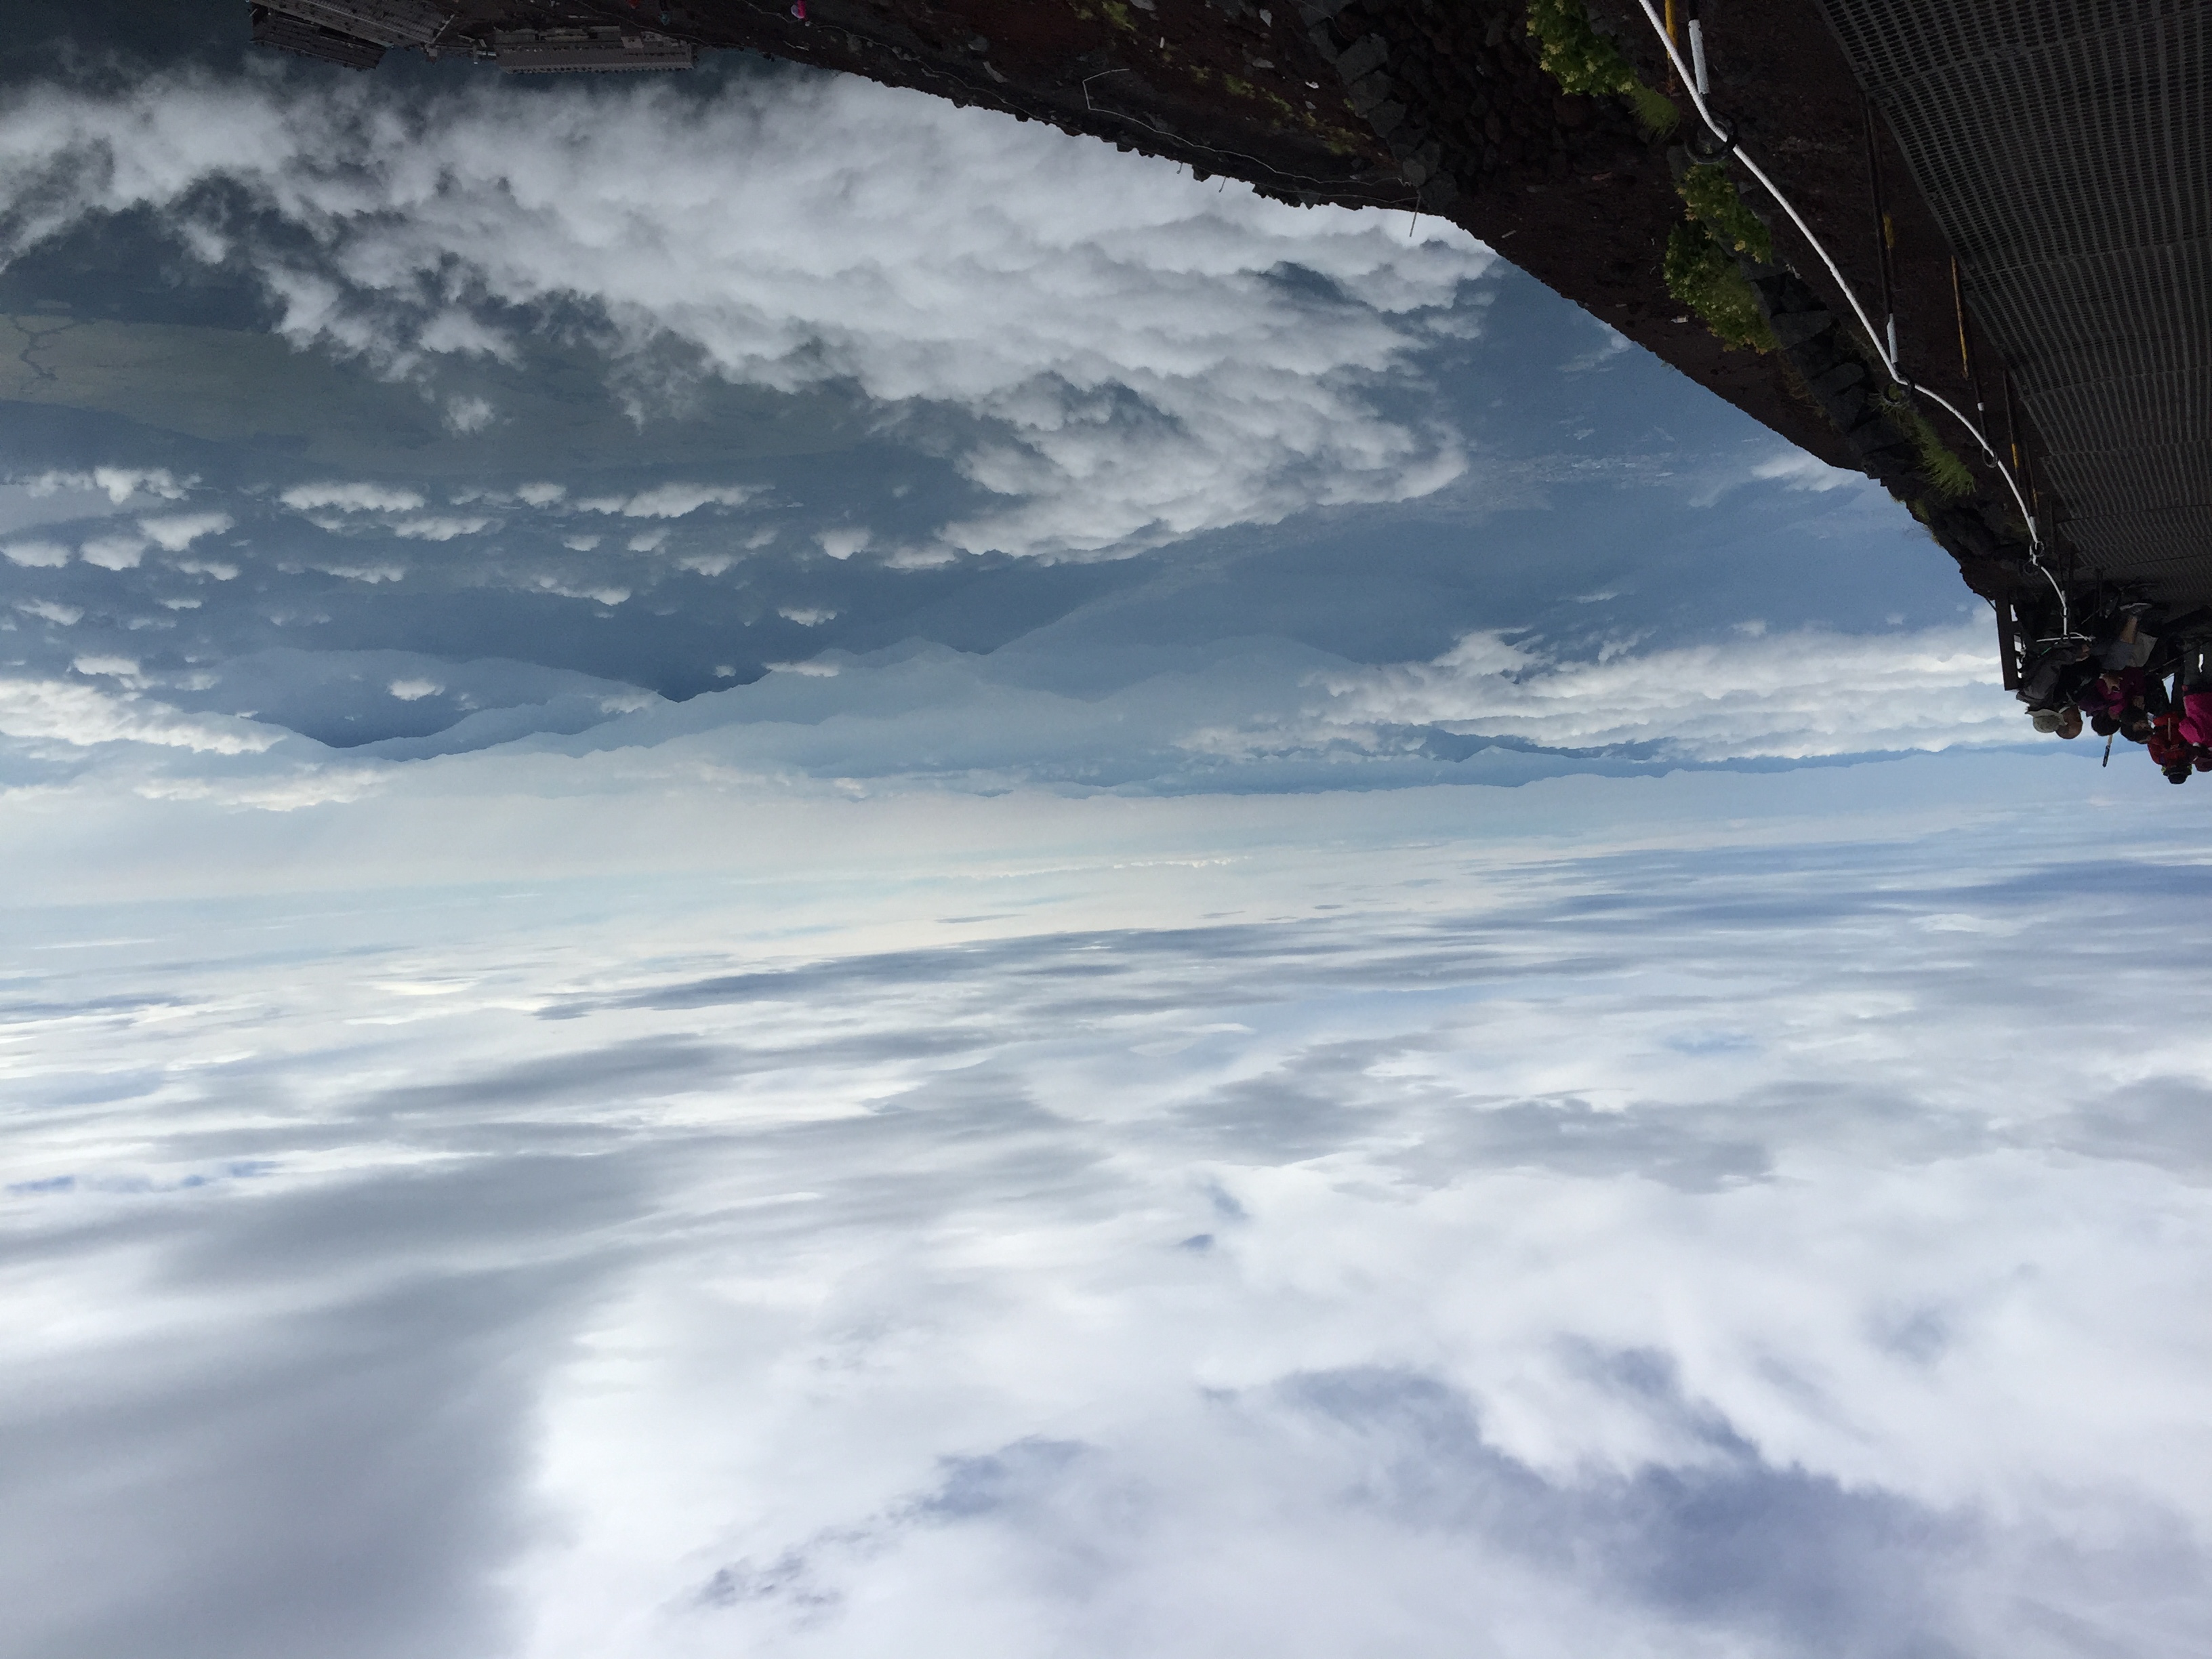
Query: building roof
point(2065, 147)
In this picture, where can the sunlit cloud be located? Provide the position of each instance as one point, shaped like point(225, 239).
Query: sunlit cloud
point(1785, 696)
point(1142, 373)
point(82, 715)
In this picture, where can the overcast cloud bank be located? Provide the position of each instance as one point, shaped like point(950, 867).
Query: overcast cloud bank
point(1257, 715)
point(1140, 365)
point(1136, 366)
point(1788, 695)
point(599, 1269)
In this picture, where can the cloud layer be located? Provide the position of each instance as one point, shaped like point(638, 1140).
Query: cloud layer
point(1784, 695)
point(948, 294)
point(1133, 357)
point(81, 715)
point(1246, 715)
point(1761, 1249)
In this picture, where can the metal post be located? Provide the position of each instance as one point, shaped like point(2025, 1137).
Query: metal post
point(2008, 651)
point(1966, 353)
point(1883, 235)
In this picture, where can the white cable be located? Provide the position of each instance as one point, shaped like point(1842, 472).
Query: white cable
point(1720, 132)
point(1694, 81)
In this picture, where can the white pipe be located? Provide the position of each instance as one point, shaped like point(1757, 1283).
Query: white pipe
point(1698, 55)
point(1695, 81)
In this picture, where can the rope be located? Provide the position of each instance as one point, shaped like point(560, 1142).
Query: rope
point(1693, 83)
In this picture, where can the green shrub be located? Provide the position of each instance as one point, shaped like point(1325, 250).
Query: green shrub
point(1944, 473)
point(1710, 196)
point(1585, 63)
point(1703, 275)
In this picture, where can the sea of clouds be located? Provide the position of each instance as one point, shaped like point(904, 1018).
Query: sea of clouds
point(1366, 1223)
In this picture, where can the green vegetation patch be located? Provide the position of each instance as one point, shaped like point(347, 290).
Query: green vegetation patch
point(1701, 268)
point(1940, 469)
point(1702, 273)
point(1584, 62)
point(1710, 195)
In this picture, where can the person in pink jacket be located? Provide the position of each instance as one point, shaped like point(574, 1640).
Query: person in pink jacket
point(2197, 717)
point(2194, 683)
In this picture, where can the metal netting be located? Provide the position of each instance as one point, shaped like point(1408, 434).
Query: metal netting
point(2065, 147)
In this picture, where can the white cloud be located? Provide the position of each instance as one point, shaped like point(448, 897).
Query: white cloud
point(36, 555)
point(541, 495)
point(1141, 371)
point(1270, 715)
point(602, 593)
point(675, 500)
point(126, 667)
point(469, 414)
point(1793, 695)
point(647, 541)
point(63, 615)
point(122, 482)
point(113, 552)
point(82, 715)
point(440, 527)
point(220, 569)
point(1795, 470)
point(352, 497)
point(175, 533)
point(414, 690)
point(326, 785)
point(843, 543)
point(807, 615)
point(454, 331)
point(1612, 345)
point(118, 484)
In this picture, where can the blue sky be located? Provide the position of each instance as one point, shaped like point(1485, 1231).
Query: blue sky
point(805, 874)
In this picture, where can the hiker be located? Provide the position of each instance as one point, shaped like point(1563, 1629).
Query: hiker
point(2171, 752)
point(2168, 748)
point(2055, 675)
point(2195, 725)
point(2130, 647)
point(2121, 662)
